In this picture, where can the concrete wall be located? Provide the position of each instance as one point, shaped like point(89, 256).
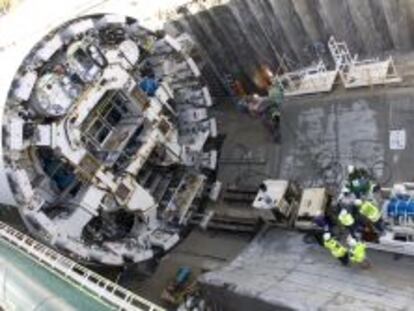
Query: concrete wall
point(241, 35)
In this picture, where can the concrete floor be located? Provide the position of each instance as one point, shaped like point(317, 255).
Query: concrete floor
point(283, 272)
point(247, 140)
point(248, 156)
point(322, 135)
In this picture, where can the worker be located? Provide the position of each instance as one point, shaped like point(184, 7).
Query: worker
point(277, 96)
point(370, 211)
point(346, 198)
point(323, 221)
point(346, 219)
point(357, 252)
point(360, 186)
point(356, 173)
point(352, 221)
point(337, 249)
point(358, 181)
point(149, 85)
point(324, 224)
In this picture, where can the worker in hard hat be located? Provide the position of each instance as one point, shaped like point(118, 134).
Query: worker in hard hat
point(360, 186)
point(355, 173)
point(357, 252)
point(324, 222)
point(336, 248)
point(371, 212)
point(358, 181)
point(346, 219)
point(346, 201)
point(347, 216)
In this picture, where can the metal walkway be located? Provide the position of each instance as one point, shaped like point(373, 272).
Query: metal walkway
point(101, 288)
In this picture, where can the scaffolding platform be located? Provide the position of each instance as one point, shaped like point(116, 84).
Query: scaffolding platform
point(311, 80)
point(356, 73)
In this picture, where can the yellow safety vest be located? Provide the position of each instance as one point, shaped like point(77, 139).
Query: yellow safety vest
point(346, 219)
point(370, 211)
point(336, 249)
point(358, 253)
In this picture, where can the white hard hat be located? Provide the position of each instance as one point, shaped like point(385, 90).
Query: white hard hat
point(358, 202)
point(356, 183)
point(351, 241)
point(351, 169)
point(343, 212)
point(345, 190)
point(326, 236)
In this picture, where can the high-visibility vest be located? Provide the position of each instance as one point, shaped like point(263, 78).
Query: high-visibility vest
point(336, 249)
point(358, 253)
point(370, 211)
point(346, 219)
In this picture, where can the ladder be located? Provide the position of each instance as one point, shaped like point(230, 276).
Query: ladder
point(100, 287)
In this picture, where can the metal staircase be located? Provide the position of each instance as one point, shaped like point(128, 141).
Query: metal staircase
point(101, 288)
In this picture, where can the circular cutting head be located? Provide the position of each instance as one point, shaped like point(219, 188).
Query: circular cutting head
point(102, 142)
